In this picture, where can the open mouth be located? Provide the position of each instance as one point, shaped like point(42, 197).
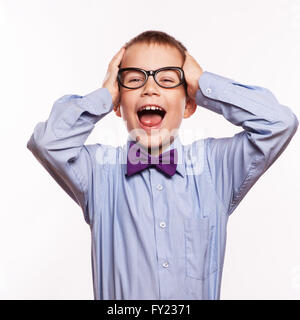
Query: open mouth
point(151, 117)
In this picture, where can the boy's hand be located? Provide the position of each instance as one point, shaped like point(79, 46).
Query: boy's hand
point(192, 73)
point(110, 81)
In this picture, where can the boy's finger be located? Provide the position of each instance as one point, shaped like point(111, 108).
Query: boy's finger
point(118, 57)
point(119, 53)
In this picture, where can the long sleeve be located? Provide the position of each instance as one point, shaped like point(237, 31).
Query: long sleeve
point(235, 163)
point(58, 143)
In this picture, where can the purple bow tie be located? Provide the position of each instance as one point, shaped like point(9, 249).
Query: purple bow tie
point(138, 159)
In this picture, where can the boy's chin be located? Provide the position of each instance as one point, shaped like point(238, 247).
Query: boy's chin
point(149, 142)
point(156, 140)
point(153, 142)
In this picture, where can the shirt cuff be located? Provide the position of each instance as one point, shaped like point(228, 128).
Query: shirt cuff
point(98, 102)
point(211, 90)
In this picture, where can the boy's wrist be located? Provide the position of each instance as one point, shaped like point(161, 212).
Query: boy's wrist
point(194, 86)
point(113, 94)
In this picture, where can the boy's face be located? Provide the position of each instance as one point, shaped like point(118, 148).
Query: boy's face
point(172, 100)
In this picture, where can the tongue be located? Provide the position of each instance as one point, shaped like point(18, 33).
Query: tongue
point(150, 120)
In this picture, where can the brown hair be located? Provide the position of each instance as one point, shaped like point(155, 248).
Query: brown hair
point(157, 37)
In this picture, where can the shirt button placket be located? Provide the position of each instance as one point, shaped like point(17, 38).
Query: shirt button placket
point(162, 250)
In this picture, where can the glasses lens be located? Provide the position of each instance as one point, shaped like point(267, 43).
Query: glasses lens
point(132, 78)
point(168, 78)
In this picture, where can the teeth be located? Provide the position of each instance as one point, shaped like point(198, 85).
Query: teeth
point(151, 108)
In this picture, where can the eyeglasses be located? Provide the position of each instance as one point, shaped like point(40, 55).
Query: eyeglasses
point(167, 77)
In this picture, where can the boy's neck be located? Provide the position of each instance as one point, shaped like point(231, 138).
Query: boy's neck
point(156, 151)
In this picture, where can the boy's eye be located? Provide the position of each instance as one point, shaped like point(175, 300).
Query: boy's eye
point(135, 80)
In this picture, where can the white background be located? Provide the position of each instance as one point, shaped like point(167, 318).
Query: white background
point(53, 48)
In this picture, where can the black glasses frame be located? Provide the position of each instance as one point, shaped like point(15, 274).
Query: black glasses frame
point(152, 73)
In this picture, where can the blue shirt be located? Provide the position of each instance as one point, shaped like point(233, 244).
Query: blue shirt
point(153, 236)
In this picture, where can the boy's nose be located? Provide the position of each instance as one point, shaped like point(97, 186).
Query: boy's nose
point(151, 87)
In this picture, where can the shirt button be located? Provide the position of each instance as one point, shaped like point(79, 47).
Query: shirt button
point(208, 90)
point(162, 224)
point(205, 102)
point(165, 264)
point(159, 187)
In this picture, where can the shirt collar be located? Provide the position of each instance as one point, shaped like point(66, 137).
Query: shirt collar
point(180, 168)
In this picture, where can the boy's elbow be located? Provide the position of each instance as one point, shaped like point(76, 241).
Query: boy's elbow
point(291, 123)
point(36, 148)
point(36, 143)
point(296, 122)
point(287, 121)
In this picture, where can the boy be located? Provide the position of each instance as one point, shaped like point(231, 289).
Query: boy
point(157, 209)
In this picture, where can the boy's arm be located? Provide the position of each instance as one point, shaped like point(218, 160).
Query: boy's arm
point(58, 143)
point(237, 162)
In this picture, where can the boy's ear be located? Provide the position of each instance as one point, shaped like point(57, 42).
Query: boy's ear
point(117, 110)
point(190, 107)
